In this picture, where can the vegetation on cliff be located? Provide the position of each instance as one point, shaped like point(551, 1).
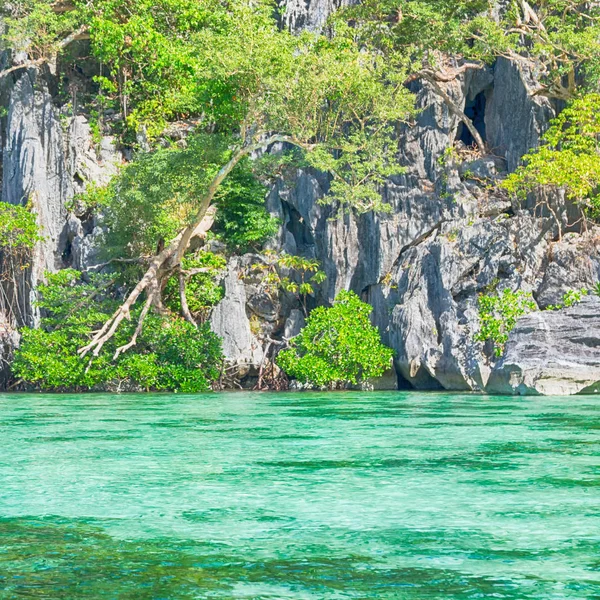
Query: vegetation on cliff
point(257, 98)
point(171, 354)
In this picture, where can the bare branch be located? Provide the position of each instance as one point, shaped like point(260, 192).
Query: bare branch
point(458, 112)
point(138, 328)
point(101, 266)
point(185, 309)
point(150, 280)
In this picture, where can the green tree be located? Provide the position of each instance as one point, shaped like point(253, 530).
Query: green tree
point(338, 346)
point(19, 234)
point(156, 195)
point(40, 29)
point(558, 40)
point(258, 85)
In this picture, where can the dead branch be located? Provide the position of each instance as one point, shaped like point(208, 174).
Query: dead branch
point(138, 328)
point(185, 309)
point(444, 76)
point(101, 266)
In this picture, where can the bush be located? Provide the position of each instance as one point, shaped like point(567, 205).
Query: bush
point(170, 354)
point(570, 298)
point(338, 346)
point(498, 315)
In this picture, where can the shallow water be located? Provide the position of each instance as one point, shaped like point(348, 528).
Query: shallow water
point(383, 495)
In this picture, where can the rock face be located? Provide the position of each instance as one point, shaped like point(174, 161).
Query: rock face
point(230, 321)
point(33, 167)
point(447, 238)
point(552, 353)
point(47, 157)
point(309, 14)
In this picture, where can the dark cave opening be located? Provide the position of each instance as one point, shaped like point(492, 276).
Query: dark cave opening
point(475, 110)
point(303, 237)
point(402, 383)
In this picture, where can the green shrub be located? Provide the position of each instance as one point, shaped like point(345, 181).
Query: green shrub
point(498, 315)
point(170, 354)
point(570, 298)
point(338, 346)
point(18, 228)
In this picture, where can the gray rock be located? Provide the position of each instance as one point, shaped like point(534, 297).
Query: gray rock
point(552, 353)
point(34, 169)
point(309, 14)
point(293, 324)
point(264, 307)
point(90, 161)
point(230, 321)
point(573, 264)
point(514, 118)
point(486, 167)
point(387, 382)
point(47, 158)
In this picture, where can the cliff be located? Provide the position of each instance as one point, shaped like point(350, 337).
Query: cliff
point(450, 236)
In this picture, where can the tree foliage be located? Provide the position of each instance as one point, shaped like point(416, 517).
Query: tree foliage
point(170, 354)
point(338, 346)
point(569, 157)
point(36, 28)
point(558, 39)
point(157, 194)
point(19, 231)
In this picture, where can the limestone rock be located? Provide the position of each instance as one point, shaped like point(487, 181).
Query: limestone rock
point(573, 264)
point(34, 166)
point(552, 353)
point(294, 324)
point(309, 14)
point(230, 321)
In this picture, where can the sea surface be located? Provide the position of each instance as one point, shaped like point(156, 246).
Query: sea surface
point(306, 496)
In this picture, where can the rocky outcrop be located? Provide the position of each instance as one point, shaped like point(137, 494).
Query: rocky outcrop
point(552, 353)
point(447, 238)
point(48, 157)
point(34, 165)
point(230, 321)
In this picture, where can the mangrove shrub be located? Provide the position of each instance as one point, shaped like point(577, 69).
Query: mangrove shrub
point(338, 346)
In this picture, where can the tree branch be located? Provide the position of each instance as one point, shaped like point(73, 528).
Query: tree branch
point(138, 328)
point(457, 111)
point(185, 309)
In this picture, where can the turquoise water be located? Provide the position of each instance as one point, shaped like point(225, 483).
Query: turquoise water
point(383, 495)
